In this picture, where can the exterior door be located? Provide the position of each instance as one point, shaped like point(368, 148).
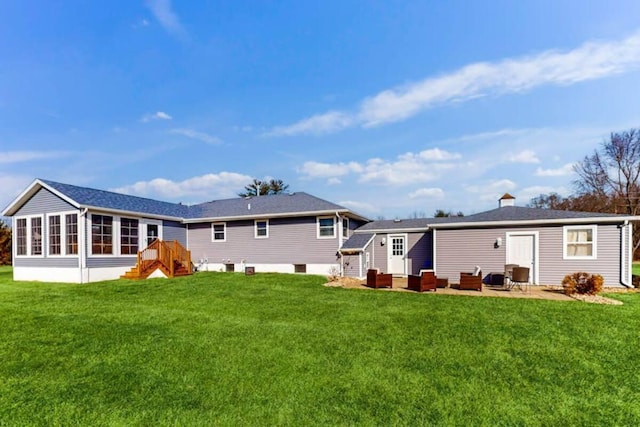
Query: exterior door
point(521, 250)
point(151, 231)
point(397, 255)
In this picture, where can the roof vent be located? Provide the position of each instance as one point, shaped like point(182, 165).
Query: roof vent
point(248, 206)
point(397, 220)
point(506, 200)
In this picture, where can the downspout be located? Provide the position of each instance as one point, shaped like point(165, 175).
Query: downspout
point(624, 276)
point(82, 243)
point(339, 233)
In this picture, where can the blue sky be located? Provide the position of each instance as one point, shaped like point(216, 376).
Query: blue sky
point(391, 108)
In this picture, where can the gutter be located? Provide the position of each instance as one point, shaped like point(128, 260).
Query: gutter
point(624, 278)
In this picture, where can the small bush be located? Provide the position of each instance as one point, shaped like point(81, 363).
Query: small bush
point(635, 280)
point(582, 283)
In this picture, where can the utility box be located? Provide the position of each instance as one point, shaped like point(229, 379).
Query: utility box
point(249, 271)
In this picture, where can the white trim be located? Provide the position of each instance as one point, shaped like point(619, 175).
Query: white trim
point(28, 230)
point(344, 224)
point(535, 277)
point(255, 228)
point(594, 242)
point(270, 215)
point(335, 226)
point(143, 231)
point(224, 230)
point(591, 220)
point(116, 234)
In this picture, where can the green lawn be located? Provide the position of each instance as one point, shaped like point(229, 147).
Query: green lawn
point(229, 349)
point(636, 268)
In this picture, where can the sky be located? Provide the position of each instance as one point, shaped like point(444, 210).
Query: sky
point(393, 109)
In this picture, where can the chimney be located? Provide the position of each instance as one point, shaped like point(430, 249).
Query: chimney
point(507, 200)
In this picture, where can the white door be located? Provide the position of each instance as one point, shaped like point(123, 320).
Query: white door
point(397, 255)
point(521, 250)
point(151, 231)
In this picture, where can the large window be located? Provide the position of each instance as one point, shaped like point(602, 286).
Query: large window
point(219, 232)
point(261, 229)
point(71, 233)
point(55, 235)
point(21, 236)
point(345, 227)
point(326, 227)
point(36, 236)
point(580, 242)
point(128, 236)
point(101, 235)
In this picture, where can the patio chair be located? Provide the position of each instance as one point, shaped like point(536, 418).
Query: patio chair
point(520, 277)
point(426, 281)
point(379, 280)
point(508, 273)
point(471, 281)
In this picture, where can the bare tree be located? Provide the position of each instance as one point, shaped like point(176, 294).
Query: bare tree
point(5, 243)
point(611, 176)
point(440, 213)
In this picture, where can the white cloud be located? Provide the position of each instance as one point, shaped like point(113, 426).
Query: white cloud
point(526, 156)
point(9, 157)
point(492, 190)
point(561, 171)
point(159, 115)
point(427, 193)
point(526, 194)
point(201, 188)
point(200, 136)
point(162, 11)
point(592, 60)
point(329, 170)
point(12, 186)
point(321, 123)
point(334, 181)
point(407, 168)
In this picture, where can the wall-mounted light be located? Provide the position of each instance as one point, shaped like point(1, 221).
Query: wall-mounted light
point(498, 242)
point(383, 241)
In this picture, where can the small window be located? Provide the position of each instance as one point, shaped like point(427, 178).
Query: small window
point(580, 242)
point(300, 268)
point(21, 236)
point(326, 227)
point(262, 229)
point(345, 227)
point(219, 232)
point(55, 235)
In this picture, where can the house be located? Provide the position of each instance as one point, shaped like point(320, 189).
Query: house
point(552, 243)
point(67, 233)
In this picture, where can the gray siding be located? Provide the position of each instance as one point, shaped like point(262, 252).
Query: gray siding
point(94, 262)
point(44, 201)
point(290, 241)
point(46, 262)
point(351, 265)
point(419, 252)
point(461, 250)
point(172, 230)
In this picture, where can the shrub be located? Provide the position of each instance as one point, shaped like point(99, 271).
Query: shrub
point(582, 283)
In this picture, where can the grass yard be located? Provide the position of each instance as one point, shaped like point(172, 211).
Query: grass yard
point(636, 268)
point(229, 349)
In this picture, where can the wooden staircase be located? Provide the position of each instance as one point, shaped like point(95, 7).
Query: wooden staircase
point(169, 257)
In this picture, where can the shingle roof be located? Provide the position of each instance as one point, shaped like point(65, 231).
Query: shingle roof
point(503, 214)
point(357, 242)
point(238, 207)
point(122, 202)
point(293, 203)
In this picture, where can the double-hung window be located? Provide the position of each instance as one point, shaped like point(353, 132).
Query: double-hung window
point(345, 227)
point(580, 242)
point(261, 229)
point(36, 236)
point(326, 227)
point(101, 235)
point(71, 233)
point(219, 232)
point(128, 236)
point(21, 236)
point(55, 235)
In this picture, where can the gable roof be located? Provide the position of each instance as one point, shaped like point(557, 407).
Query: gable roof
point(263, 206)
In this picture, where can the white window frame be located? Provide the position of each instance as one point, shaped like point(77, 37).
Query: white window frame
point(594, 241)
point(255, 228)
point(28, 230)
point(119, 251)
point(63, 234)
point(213, 233)
point(115, 235)
point(332, 218)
